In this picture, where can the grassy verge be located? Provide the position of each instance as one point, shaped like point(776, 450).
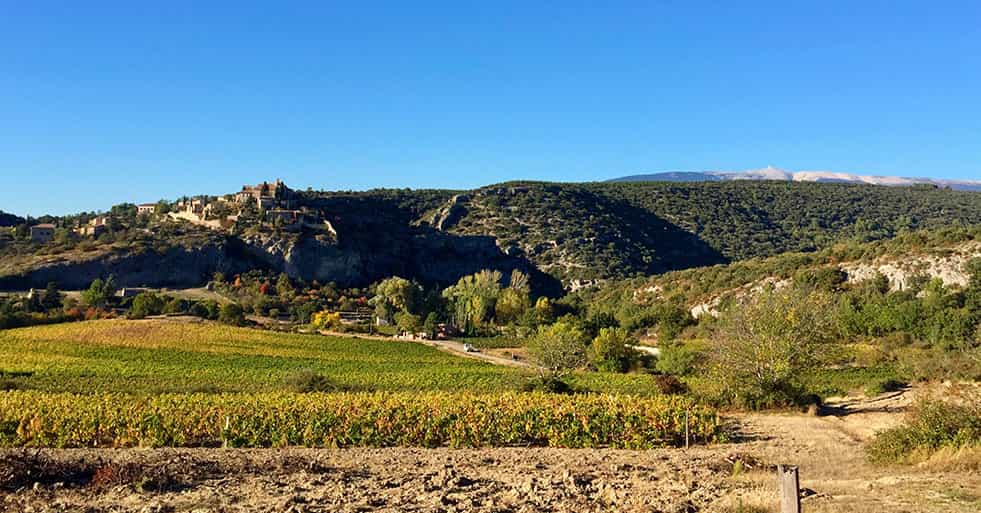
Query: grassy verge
point(870, 380)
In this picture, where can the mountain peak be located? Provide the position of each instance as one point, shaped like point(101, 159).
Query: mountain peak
point(771, 172)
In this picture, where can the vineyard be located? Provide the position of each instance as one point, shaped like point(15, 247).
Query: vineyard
point(121, 383)
point(351, 419)
point(178, 357)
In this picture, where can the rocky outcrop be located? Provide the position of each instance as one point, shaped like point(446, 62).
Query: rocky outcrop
point(948, 264)
point(174, 267)
point(424, 254)
point(451, 213)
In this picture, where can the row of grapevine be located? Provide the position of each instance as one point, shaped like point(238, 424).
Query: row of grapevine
point(429, 419)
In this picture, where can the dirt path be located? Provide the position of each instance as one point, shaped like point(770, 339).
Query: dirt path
point(449, 346)
point(829, 448)
point(455, 347)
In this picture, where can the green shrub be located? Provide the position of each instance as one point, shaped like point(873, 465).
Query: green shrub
point(930, 425)
point(763, 348)
point(231, 314)
point(609, 351)
point(883, 385)
point(146, 304)
point(308, 380)
point(678, 359)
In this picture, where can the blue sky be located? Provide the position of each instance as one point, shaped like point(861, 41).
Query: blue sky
point(105, 102)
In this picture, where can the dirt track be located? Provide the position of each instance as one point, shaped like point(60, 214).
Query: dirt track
point(721, 478)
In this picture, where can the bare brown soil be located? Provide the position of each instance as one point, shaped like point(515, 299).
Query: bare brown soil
point(732, 477)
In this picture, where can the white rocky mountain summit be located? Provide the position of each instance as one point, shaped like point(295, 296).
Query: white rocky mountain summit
point(774, 173)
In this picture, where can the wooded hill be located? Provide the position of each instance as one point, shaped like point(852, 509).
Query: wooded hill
point(569, 231)
point(618, 230)
point(905, 262)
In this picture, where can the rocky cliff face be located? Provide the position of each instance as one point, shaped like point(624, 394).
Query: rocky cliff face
point(175, 267)
point(356, 256)
point(947, 264)
point(360, 258)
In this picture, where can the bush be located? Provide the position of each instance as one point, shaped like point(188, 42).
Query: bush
point(678, 359)
point(609, 351)
point(306, 381)
point(208, 309)
point(325, 320)
point(884, 385)
point(145, 304)
point(175, 306)
point(930, 425)
point(231, 314)
point(764, 348)
point(558, 349)
point(670, 385)
point(548, 384)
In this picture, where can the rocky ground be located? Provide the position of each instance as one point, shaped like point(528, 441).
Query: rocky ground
point(735, 477)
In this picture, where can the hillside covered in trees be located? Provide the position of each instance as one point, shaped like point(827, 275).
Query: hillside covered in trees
point(618, 230)
point(568, 233)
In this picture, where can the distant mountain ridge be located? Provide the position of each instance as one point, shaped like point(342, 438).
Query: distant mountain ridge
point(773, 173)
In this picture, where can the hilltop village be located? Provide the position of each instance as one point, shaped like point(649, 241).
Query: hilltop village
point(267, 204)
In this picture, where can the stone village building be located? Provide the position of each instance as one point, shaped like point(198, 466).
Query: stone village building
point(43, 232)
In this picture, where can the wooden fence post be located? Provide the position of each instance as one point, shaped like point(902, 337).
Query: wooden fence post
point(686, 429)
point(789, 488)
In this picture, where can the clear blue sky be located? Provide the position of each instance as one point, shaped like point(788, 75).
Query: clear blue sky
point(104, 102)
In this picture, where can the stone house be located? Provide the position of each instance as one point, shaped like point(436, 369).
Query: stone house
point(95, 227)
point(146, 208)
point(42, 232)
point(267, 195)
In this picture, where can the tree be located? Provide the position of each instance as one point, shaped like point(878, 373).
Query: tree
point(519, 281)
point(610, 351)
point(284, 287)
point(544, 310)
point(146, 303)
point(398, 293)
point(764, 347)
point(303, 312)
point(408, 323)
point(207, 309)
point(972, 296)
point(670, 319)
point(431, 325)
point(231, 313)
point(473, 299)
point(52, 298)
point(511, 305)
point(175, 305)
point(99, 292)
point(558, 349)
point(325, 320)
